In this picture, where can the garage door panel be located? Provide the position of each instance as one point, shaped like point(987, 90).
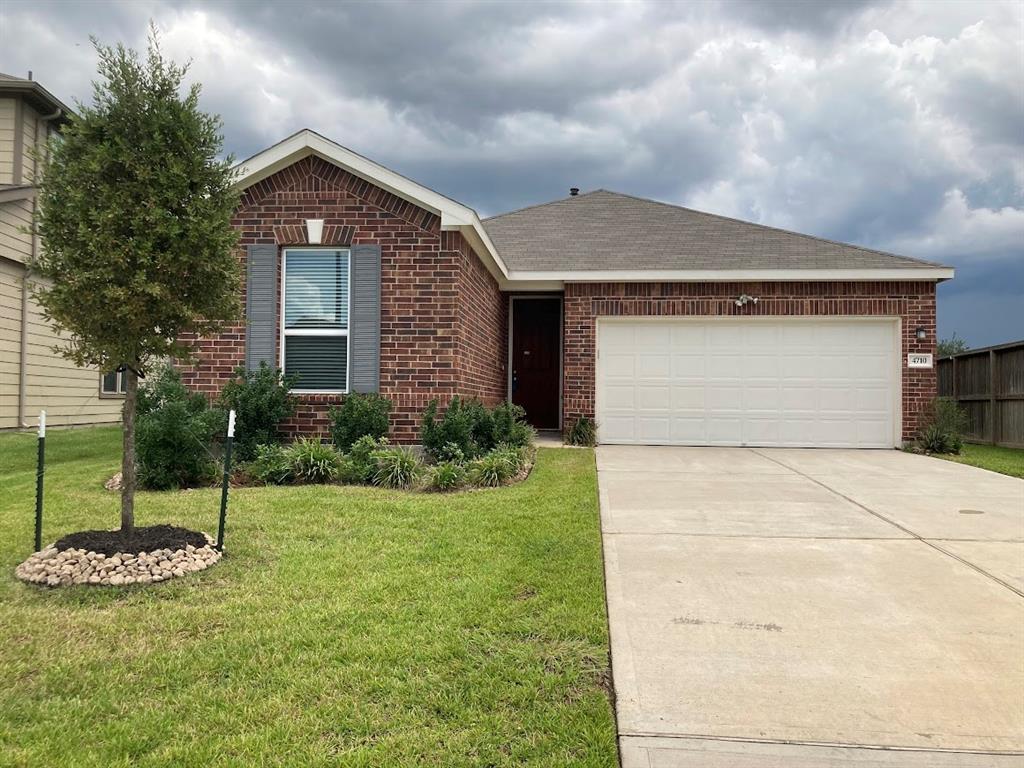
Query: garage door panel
point(720, 397)
point(616, 429)
point(748, 382)
point(687, 336)
point(688, 366)
point(653, 430)
point(687, 397)
point(619, 397)
point(689, 430)
point(654, 398)
point(654, 366)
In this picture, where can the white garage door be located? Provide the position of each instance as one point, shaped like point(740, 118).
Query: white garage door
point(758, 382)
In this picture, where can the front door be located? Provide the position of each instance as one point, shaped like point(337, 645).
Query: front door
point(536, 358)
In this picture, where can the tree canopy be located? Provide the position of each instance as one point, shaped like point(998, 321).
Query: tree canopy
point(134, 213)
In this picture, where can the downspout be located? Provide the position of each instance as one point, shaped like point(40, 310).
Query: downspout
point(23, 341)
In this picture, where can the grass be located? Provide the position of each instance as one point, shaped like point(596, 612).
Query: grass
point(1007, 461)
point(345, 626)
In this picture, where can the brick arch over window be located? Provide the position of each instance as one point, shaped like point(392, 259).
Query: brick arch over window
point(296, 234)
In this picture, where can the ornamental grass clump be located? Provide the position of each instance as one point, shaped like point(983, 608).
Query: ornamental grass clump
point(314, 462)
point(397, 467)
point(447, 476)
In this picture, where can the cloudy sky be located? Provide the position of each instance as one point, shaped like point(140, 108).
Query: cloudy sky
point(896, 125)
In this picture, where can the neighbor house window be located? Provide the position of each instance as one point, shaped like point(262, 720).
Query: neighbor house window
point(315, 329)
point(112, 383)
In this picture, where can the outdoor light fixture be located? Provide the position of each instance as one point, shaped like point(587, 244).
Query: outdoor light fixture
point(921, 334)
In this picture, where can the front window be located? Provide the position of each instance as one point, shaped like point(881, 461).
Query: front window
point(315, 328)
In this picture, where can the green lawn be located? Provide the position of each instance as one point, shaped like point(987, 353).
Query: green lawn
point(1008, 461)
point(345, 626)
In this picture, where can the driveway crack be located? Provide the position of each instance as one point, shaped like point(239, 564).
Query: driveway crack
point(891, 522)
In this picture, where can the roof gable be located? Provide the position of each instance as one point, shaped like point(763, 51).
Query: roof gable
point(454, 215)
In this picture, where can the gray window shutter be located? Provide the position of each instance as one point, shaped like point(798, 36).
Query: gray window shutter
point(365, 318)
point(261, 306)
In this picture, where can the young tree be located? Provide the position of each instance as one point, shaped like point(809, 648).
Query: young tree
point(954, 345)
point(134, 216)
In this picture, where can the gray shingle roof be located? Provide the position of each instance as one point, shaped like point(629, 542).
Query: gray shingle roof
point(604, 230)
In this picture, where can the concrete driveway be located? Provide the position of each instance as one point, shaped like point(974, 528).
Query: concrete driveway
point(776, 607)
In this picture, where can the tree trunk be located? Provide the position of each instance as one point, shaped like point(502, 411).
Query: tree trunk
point(131, 391)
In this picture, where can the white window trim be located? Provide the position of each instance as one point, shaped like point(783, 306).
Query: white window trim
point(318, 331)
point(119, 383)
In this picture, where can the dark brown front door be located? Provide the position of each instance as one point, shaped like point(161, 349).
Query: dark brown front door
point(536, 355)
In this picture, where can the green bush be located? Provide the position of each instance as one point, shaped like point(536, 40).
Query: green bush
point(941, 427)
point(471, 428)
point(582, 432)
point(518, 456)
point(447, 476)
point(175, 430)
point(272, 465)
point(451, 453)
point(314, 462)
point(493, 469)
point(397, 467)
point(509, 425)
point(359, 415)
point(261, 401)
point(361, 466)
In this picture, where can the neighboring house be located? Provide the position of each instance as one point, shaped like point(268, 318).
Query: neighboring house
point(666, 325)
point(32, 376)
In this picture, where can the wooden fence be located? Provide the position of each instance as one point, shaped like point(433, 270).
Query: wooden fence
point(989, 385)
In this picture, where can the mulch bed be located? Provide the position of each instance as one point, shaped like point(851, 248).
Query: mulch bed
point(148, 539)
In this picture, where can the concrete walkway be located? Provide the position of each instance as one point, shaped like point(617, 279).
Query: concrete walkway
point(776, 607)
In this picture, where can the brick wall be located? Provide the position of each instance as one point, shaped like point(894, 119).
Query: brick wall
point(419, 317)
point(913, 302)
point(482, 325)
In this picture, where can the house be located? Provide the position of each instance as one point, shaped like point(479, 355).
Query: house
point(666, 325)
point(32, 376)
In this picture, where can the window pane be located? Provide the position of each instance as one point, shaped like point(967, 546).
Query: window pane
point(109, 385)
point(321, 362)
point(316, 289)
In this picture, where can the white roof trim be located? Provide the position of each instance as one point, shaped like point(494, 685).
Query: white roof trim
point(454, 215)
point(729, 275)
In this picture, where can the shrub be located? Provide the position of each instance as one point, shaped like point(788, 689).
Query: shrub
point(261, 401)
point(941, 427)
point(361, 466)
point(582, 432)
point(451, 453)
point(175, 430)
point(313, 461)
point(272, 465)
point(493, 469)
point(469, 426)
point(447, 476)
point(397, 467)
point(359, 415)
point(509, 425)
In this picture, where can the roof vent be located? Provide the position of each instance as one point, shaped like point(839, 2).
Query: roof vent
point(573, 191)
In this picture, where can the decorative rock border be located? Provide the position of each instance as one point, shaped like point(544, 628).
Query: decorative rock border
point(51, 567)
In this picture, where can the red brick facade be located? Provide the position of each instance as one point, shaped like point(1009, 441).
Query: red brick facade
point(443, 327)
point(912, 302)
point(444, 321)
